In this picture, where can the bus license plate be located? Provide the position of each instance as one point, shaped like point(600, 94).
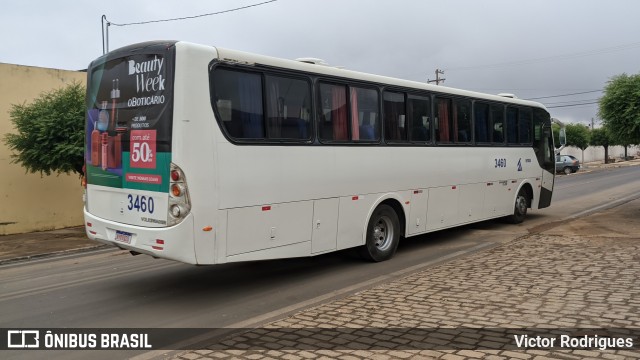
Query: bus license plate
point(123, 236)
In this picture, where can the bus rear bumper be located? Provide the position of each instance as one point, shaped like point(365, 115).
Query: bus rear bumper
point(173, 243)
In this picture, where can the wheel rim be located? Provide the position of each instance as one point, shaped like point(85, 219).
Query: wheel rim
point(521, 205)
point(567, 171)
point(382, 234)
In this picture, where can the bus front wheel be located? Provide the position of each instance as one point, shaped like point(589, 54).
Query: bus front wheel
point(520, 208)
point(383, 234)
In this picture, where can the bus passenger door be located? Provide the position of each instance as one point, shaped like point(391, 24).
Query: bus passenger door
point(325, 225)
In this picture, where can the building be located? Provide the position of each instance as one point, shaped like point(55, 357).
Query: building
point(31, 202)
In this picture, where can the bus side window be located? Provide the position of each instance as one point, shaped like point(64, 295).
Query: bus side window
point(462, 118)
point(524, 126)
point(394, 116)
point(443, 111)
point(481, 125)
point(497, 124)
point(287, 108)
point(333, 112)
point(365, 123)
point(238, 99)
point(512, 126)
point(419, 110)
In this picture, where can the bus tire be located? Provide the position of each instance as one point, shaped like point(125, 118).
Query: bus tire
point(520, 207)
point(383, 235)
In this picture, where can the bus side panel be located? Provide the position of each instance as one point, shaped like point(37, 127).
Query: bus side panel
point(471, 202)
point(353, 214)
point(442, 210)
point(193, 143)
point(269, 226)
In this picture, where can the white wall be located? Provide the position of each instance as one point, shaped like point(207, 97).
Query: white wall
point(596, 153)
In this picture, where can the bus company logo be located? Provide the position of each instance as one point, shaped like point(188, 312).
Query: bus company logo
point(520, 164)
point(23, 339)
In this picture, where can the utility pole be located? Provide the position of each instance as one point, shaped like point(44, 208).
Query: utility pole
point(437, 80)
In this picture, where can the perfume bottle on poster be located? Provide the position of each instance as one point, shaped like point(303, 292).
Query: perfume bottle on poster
point(115, 95)
point(105, 150)
point(95, 145)
point(103, 117)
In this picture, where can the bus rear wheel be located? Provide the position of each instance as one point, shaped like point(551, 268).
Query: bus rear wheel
point(520, 207)
point(383, 235)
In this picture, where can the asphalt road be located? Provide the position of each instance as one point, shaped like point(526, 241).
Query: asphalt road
point(112, 289)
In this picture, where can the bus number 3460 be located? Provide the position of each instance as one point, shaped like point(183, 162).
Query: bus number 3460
point(141, 203)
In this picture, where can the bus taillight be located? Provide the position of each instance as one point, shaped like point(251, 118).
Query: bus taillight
point(179, 202)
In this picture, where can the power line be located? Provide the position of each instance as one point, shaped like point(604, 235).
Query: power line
point(570, 102)
point(106, 23)
point(561, 106)
point(551, 58)
point(553, 96)
point(191, 17)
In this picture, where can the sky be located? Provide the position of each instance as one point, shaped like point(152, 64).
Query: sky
point(535, 49)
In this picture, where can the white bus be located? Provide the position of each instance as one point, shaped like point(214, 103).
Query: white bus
point(206, 155)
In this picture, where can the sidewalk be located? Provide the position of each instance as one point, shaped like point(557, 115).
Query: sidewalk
point(601, 165)
point(19, 247)
point(582, 274)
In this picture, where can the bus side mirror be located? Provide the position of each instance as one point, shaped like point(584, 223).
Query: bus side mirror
point(563, 136)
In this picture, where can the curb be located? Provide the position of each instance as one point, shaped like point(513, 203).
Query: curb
point(23, 259)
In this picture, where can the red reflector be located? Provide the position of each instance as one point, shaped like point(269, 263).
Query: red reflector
point(175, 175)
point(417, 191)
point(537, 179)
point(89, 224)
point(158, 241)
point(407, 202)
point(489, 184)
point(266, 208)
point(207, 228)
point(354, 198)
point(454, 187)
point(157, 248)
point(513, 181)
point(93, 232)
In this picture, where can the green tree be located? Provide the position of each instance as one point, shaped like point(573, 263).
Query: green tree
point(602, 137)
point(577, 135)
point(620, 108)
point(50, 131)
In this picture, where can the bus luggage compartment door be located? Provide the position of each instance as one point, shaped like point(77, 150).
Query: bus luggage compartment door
point(325, 225)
